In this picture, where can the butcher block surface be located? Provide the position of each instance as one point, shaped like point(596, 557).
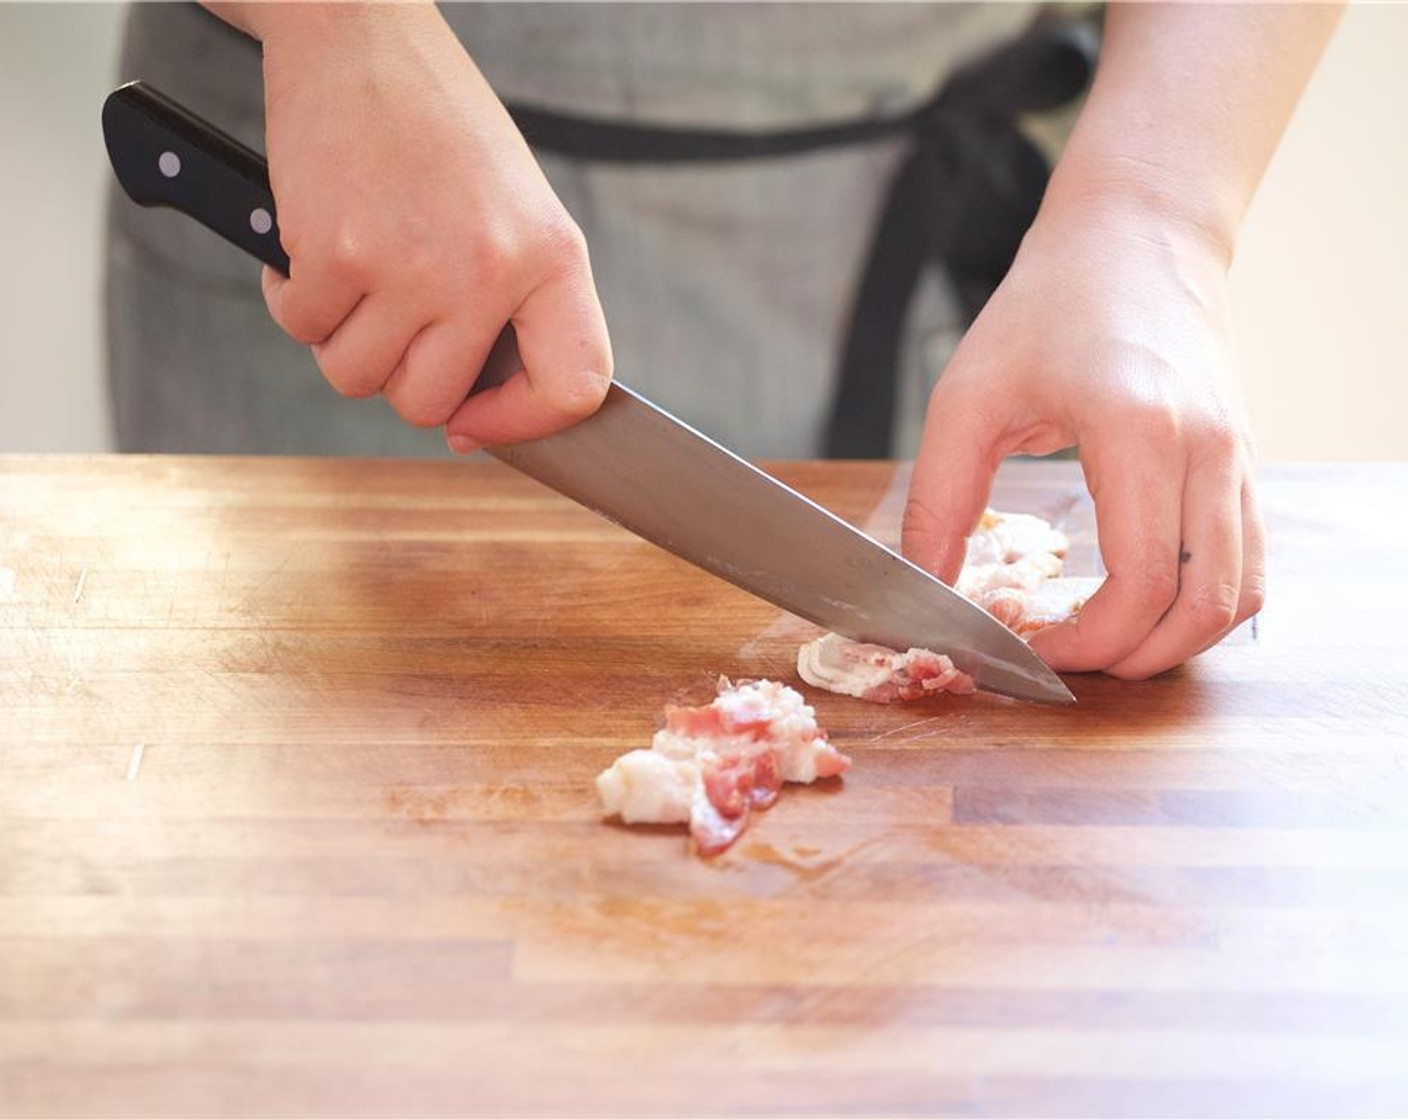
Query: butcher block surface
point(297, 817)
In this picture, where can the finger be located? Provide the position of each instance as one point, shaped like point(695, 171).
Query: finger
point(310, 303)
point(1253, 593)
point(1138, 500)
point(436, 374)
point(362, 353)
point(958, 456)
point(1210, 575)
point(566, 368)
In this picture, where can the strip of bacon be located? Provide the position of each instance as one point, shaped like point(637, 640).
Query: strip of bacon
point(875, 673)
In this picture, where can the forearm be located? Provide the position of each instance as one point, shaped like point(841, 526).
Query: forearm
point(265, 19)
point(397, 43)
point(1188, 105)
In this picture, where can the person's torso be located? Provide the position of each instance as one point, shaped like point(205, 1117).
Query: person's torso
point(729, 65)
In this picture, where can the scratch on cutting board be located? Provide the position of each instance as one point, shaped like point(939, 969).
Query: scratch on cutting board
point(135, 765)
point(910, 727)
point(82, 579)
point(75, 672)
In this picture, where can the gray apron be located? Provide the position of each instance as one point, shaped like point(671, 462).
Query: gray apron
point(726, 286)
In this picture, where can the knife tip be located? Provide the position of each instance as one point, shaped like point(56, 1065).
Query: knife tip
point(1046, 689)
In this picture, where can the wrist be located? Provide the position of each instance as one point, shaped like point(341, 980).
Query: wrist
point(302, 23)
point(1127, 191)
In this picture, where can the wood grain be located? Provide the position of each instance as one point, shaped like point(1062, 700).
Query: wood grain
point(296, 817)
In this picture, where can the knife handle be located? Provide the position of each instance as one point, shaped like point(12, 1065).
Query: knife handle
point(165, 155)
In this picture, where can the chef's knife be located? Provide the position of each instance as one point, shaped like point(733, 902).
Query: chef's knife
point(631, 462)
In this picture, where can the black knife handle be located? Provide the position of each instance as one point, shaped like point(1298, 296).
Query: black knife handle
point(165, 155)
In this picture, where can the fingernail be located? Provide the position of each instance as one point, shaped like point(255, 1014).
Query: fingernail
point(464, 445)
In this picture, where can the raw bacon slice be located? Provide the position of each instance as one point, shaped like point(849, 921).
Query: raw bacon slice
point(1011, 569)
point(1051, 602)
point(875, 673)
point(1026, 573)
point(1003, 538)
point(714, 765)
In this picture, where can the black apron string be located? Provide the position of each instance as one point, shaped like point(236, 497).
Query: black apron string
point(964, 196)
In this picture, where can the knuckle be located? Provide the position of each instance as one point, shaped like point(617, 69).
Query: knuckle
point(420, 410)
point(304, 333)
point(348, 379)
point(496, 247)
point(561, 247)
point(562, 243)
point(349, 254)
point(1214, 606)
point(1215, 439)
point(298, 327)
point(1154, 422)
point(423, 414)
point(423, 393)
point(506, 255)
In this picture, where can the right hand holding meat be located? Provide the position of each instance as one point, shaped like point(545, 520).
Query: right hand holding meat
point(417, 224)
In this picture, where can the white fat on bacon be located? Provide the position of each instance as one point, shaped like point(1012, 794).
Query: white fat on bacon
point(712, 765)
point(875, 673)
point(1056, 600)
point(1002, 538)
point(1012, 569)
point(646, 787)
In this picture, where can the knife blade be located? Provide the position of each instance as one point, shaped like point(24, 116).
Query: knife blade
point(632, 462)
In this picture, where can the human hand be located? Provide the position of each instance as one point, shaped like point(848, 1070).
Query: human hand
point(417, 224)
point(1110, 333)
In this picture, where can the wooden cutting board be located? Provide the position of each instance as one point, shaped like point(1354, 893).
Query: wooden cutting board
point(296, 763)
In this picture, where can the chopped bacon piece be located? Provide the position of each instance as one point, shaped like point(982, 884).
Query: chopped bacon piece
point(713, 765)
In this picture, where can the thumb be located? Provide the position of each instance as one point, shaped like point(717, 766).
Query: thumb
point(958, 455)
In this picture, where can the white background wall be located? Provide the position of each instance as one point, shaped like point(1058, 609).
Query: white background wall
point(1320, 283)
point(57, 61)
